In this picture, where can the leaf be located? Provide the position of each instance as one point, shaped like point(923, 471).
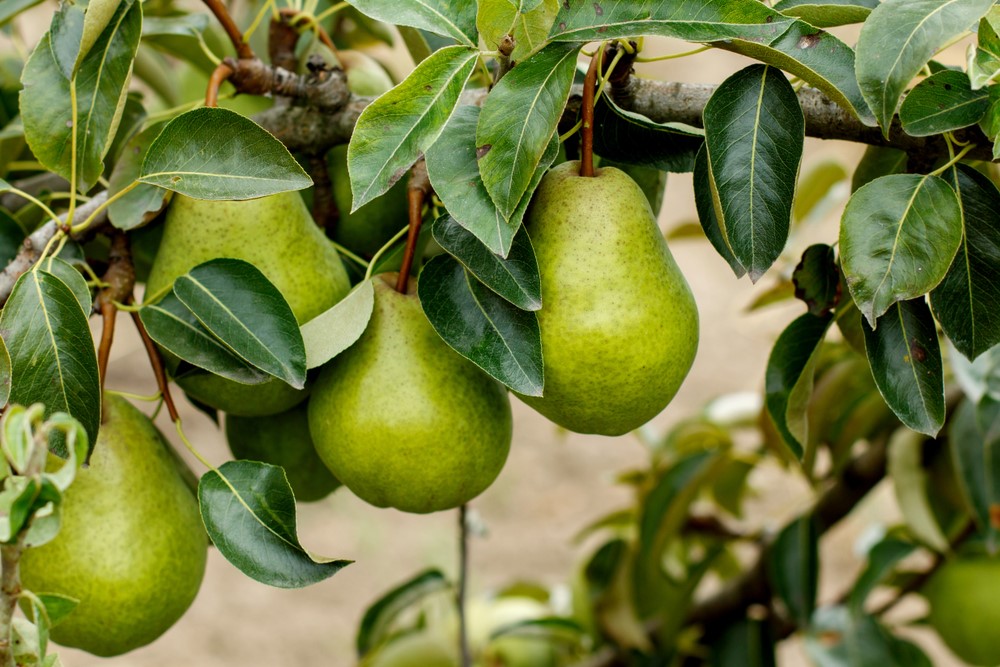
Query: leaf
point(72, 278)
point(917, 29)
point(984, 59)
point(502, 340)
point(898, 236)
point(518, 120)
point(744, 643)
point(101, 88)
point(380, 152)
point(754, 133)
point(878, 161)
point(705, 202)
point(882, 558)
point(219, 154)
point(817, 279)
point(528, 22)
point(977, 464)
point(910, 481)
point(52, 354)
point(789, 378)
point(793, 568)
point(11, 238)
point(838, 638)
point(967, 301)
point(628, 137)
point(12, 8)
point(828, 13)
point(378, 618)
point(454, 18)
point(243, 309)
point(5, 373)
point(331, 332)
point(183, 25)
point(249, 512)
point(941, 103)
point(177, 330)
point(514, 278)
point(747, 27)
point(815, 190)
point(145, 201)
point(905, 359)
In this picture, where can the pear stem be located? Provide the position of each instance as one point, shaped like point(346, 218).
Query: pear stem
point(219, 75)
point(158, 371)
point(243, 49)
point(418, 188)
point(587, 109)
point(463, 572)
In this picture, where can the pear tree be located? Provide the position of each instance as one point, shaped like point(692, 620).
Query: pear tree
point(294, 222)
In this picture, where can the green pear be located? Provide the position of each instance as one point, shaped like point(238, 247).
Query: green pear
point(618, 322)
point(369, 228)
point(965, 608)
point(277, 235)
point(283, 440)
point(416, 649)
point(403, 420)
point(131, 547)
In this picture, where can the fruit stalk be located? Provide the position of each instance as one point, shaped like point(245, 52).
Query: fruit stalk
point(243, 49)
point(463, 571)
point(587, 130)
point(219, 75)
point(419, 187)
point(157, 363)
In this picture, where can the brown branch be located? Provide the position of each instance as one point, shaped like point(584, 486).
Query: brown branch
point(324, 207)
point(157, 363)
point(418, 189)
point(281, 40)
point(243, 49)
point(219, 76)
point(120, 279)
point(324, 90)
point(109, 313)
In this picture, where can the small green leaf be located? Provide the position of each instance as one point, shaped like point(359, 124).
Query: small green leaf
point(754, 134)
point(454, 18)
point(705, 200)
point(898, 236)
point(501, 339)
point(249, 512)
point(528, 23)
point(518, 120)
point(219, 154)
point(917, 29)
point(910, 482)
point(377, 621)
point(838, 638)
point(793, 568)
point(73, 279)
point(239, 305)
point(817, 279)
point(514, 278)
point(941, 103)
point(142, 203)
point(331, 332)
point(828, 13)
point(882, 559)
point(976, 457)
point(905, 359)
point(984, 60)
point(630, 138)
point(57, 607)
point(380, 151)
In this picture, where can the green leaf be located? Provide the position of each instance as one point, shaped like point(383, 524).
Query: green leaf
point(501, 339)
point(5, 373)
point(789, 378)
point(66, 35)
point(941, 103)
point(878, 161)
point(177, 330)
point(630, 138)
point(183, 25)
point(11, 237)
point(747, 27)
point(910, 482)
point(514, 278)
point(72, 278)
point(706, 202)
point(984, 60)
point(518, 120)
point(976, 457)
point(754, 133)
point(240, 306)
point(249, 512)
point(882, 559)
point(967, 302)
point(101, 86)
point(838, 638)
point(815, 190)
point(898, 236)
point(140, 205)
point(380, 152)
point(379, 617)
point(454, 18)
point(817, 279)
point(453, 168)
point(528, 22)
point(57, 607)
point(793, 568)
point(828, 13)
point(916, 29)
point(219, 154)
point(746, 642)
point(905, 359)
point(12, 8)
point(333, 331)
point(52, 354)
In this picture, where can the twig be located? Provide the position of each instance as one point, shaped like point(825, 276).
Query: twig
point(463, 576)
point(157, 363)
point(281, 40)
point(219, 76)
point(120, 280)
point(243, 49)
point(419, 188)
point(324, 207)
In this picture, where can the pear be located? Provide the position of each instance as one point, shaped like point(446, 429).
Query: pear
point(131, 547)
point(283, 440)
point(278, 236)
point(403, 420)
point(964, 607)
point(618, 322)
point(365, 76)
point(416, 649)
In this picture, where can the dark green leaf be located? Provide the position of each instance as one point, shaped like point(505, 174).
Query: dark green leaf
point(331, 332)
point(828, 13)
point(789, 378)
point(625, 136)
point(499, 338)
point(977, 463)
point(101, 87)
point(905, 359)
point(72, 278)
point(898, 236)
point(514, 278)
point(66, 35)
point(747, 27)
point(11, 237)
point(817, 279)
point(454, 18)
point(381, 151)
point(876, 162)
point(967, 302)
point(380, 615)
point(240, 306)
point(838, 638)
point(916, 29)
point(882, 559)
point(706, 203)
point(518, 120)
point(249, 512)
point(142, 203)
point(754, 133)
point(219, 154)
point(52, 354)
point(942, 103)
point(793, 568)
point(176, 329)
point(744, 643)
point(133, 119)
